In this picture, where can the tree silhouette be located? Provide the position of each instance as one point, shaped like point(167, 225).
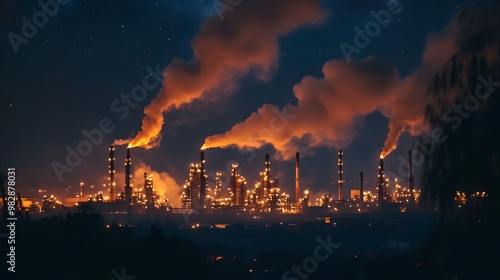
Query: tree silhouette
point(468, 160)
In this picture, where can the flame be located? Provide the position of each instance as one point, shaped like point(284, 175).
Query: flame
point(381, 156)
point(120, 142)
point(222, 58)
point(207, 147)
point(324, 114)
point(130, 143)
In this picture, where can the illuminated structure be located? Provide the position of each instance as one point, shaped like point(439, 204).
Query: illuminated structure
point(297, 179)
point(203, 181)
point(237, 187)
point(277, 201)
point(191, 194)
point(128, 177)
point(148, 188)
point(82, 185)
point(411, 180)
point(232, 181)
point(361, 181)
point(381, 185)
point(326, 200)
point(50, 203)
point(340, 175)
point(273, 199)
point(369, 197)
point(261, 186)
point(195, 188)
point(267, 197)
point(462, 198)
point(404, 196)
point(355, 195)
point(305, 200)
point(251, 197)
point(267, 179)
point(240, 198)
point(111, 171)
point(218, 186)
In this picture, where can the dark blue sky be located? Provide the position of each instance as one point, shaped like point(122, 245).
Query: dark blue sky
point(64, 79)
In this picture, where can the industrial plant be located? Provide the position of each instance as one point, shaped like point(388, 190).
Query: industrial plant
point(224, 195)
point(220, 195)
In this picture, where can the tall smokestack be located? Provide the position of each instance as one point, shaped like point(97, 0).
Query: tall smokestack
point(340, 173)
point(111, 179)
point(128, 176)
point(218, 185)
point(381, 182)
point(233, 183)
point(262, 185)
point(411, 180)
point(268, 174)
point(361, 181)
point(297, 178)
point(203, 181)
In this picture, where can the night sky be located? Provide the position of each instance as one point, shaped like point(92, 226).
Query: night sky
point(65, 78)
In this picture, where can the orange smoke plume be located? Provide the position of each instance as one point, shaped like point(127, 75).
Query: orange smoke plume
point(407, 111)
point(325, 115)
point(246, 40)
point(164, 184)
point(329, 108)
point(120, 142)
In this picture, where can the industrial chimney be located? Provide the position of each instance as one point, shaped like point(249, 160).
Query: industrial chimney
point(340, 173)
point(411, 180)
point(297, 179)
point(128, 176)
point(234, 183)
point(268, 175)
point(203, 181)
point(361, 181)
point(111, 170)
point(381, 182)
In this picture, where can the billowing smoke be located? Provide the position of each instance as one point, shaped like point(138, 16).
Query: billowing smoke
point(329, 108)
point(246, 40)
point(164, 185)
point(406, 112)
point(326, 112)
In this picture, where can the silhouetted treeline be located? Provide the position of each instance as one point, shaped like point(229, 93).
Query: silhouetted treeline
point(80, 246)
